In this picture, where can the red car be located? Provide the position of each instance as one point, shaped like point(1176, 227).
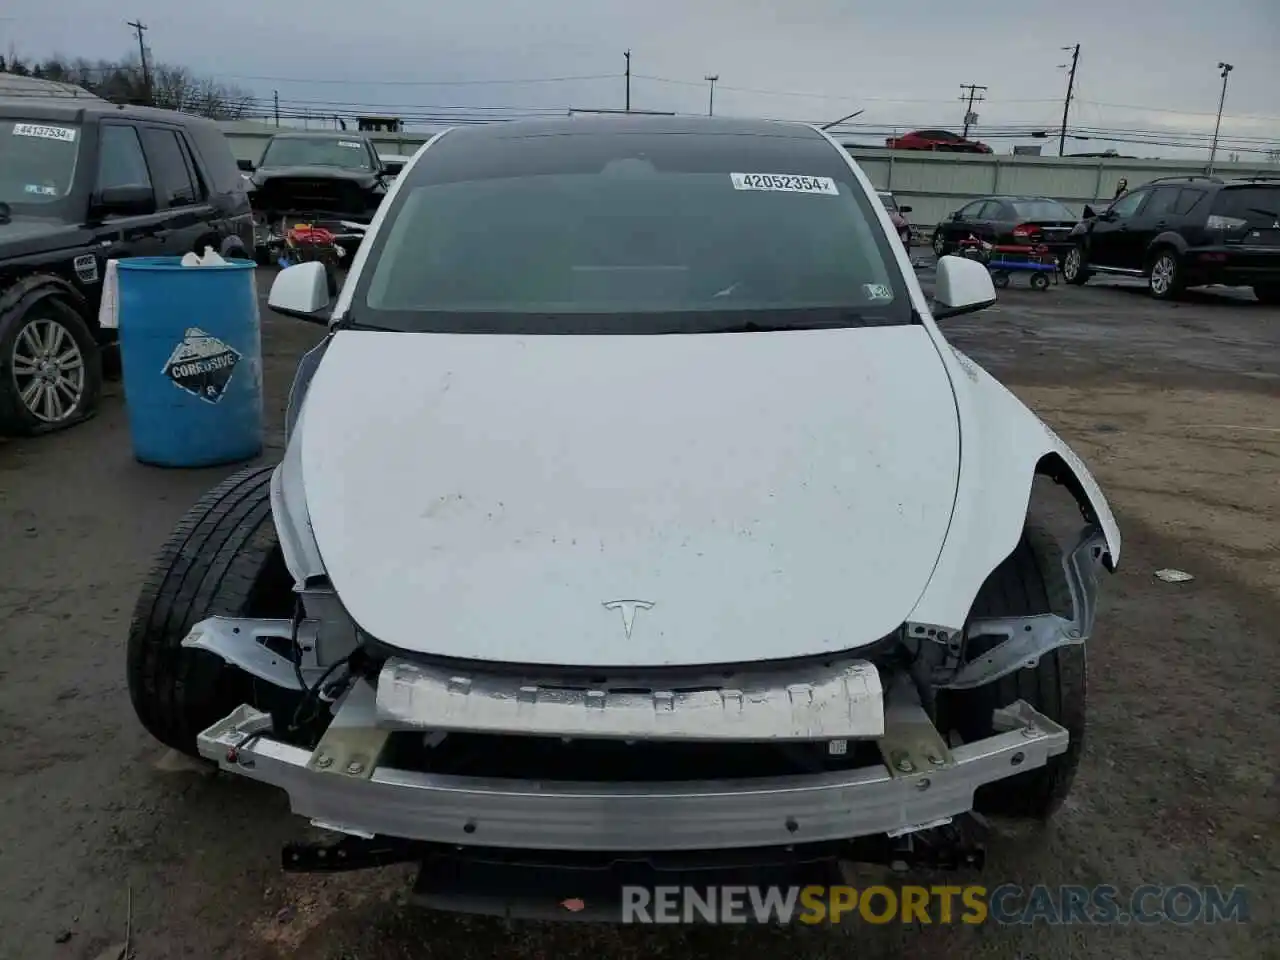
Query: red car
point(936, 140)
point(896, 214)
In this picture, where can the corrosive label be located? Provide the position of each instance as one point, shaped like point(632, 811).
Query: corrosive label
point(784, 182)
point(202, 365)
point(67, 134)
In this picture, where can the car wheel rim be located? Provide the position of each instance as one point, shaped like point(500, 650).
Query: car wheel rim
point(1162, 275)
point(48, 370)
point(938, 245)
point(1072, 266)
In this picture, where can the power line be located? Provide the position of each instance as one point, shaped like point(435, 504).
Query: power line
point(1226, 68)
point(969, 117)
point(420, 83)
point(139, 28)
point(1066, 106)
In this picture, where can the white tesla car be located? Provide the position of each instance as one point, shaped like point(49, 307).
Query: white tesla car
point(635, 511)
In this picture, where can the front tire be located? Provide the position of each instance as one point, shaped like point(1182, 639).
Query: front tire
point(1030, 581)
point(222, 558)
point(1165, 275)
point(939, 244)
point(1074, 270)
point(50, 367)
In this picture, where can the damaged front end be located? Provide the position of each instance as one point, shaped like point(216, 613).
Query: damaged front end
point(753, 756)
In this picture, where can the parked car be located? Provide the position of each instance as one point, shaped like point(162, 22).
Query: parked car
point(634, 508)
point(331, 181)
point(939, 140)
point(1187, 231)
point(898, 215)
point(83, 181)
point(1008, 220)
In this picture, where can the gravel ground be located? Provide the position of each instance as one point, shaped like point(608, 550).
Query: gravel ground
point(1176, 407)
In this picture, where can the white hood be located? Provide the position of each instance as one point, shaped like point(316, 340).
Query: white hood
point(759, 495)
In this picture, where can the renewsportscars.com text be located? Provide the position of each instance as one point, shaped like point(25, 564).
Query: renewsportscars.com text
point(972, 904)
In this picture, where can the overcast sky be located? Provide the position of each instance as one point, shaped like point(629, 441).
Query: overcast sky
point(1144, 65)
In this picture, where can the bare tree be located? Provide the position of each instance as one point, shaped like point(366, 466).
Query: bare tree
point(173, 87)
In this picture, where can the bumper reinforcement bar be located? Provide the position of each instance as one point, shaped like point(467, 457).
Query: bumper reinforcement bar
point(364, 798)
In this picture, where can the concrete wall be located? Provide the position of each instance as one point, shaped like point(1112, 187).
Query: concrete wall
point(932, 184)
point(937, 184)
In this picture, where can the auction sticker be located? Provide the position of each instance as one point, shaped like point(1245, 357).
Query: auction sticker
point(877, 291)
point(354, 144)
point(66, 134)
point(784, 183)
point(202, 365)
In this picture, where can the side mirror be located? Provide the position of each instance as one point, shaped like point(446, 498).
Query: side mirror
point(245, 165)
point(1089, 212)
point(962, 286)
point(301, 291)
point(392, 168)
point(131, 201)
point(905, 209)
point(957, 215)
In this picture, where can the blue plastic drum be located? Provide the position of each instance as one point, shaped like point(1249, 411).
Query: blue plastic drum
point(191, 350)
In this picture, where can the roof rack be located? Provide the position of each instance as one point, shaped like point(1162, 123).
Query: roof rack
point(1254, 178)
point(1186, 176)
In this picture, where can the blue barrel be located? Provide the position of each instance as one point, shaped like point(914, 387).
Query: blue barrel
point(191, 351)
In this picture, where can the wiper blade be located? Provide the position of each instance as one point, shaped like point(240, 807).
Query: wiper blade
point(834, 323)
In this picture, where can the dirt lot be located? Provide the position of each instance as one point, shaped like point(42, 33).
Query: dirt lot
point(1175, 407)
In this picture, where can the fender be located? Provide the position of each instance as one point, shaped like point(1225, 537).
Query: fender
point(290, 515)
point(40, 286)
point(1003, 446)
point(1170, 238)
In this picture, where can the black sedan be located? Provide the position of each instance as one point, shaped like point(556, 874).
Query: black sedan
point(1008, 220)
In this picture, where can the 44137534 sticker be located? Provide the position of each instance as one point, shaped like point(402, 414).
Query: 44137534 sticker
point(202, 365)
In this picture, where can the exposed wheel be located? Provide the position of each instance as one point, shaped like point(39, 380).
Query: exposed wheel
point(50, 367)
point(1268, 293)
point(1040, 281)
point(1031, 580)
point(1164, 276)
point(939, 244)
point(1000, 279)
point(1073, 266)
point(222, 558)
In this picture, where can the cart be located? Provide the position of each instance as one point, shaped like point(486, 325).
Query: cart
point(1003, 260)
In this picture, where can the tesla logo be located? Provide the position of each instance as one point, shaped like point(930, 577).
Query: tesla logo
point(628, 608)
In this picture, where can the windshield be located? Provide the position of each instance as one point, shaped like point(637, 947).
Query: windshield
point(37, 161)
point(601, 233)
point(1042, 210)
point(316, 152)
point(889, 202)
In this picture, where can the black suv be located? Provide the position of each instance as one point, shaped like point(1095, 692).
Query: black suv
point(83, 181)
point(1183, 232)
point(332, 180)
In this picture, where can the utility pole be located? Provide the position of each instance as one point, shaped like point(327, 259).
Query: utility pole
point(1066, 106)
point(1213, 151)
point(275, 96)
point(969, 118)
point(139, 27)
point(711, 100)
point(627, 54)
